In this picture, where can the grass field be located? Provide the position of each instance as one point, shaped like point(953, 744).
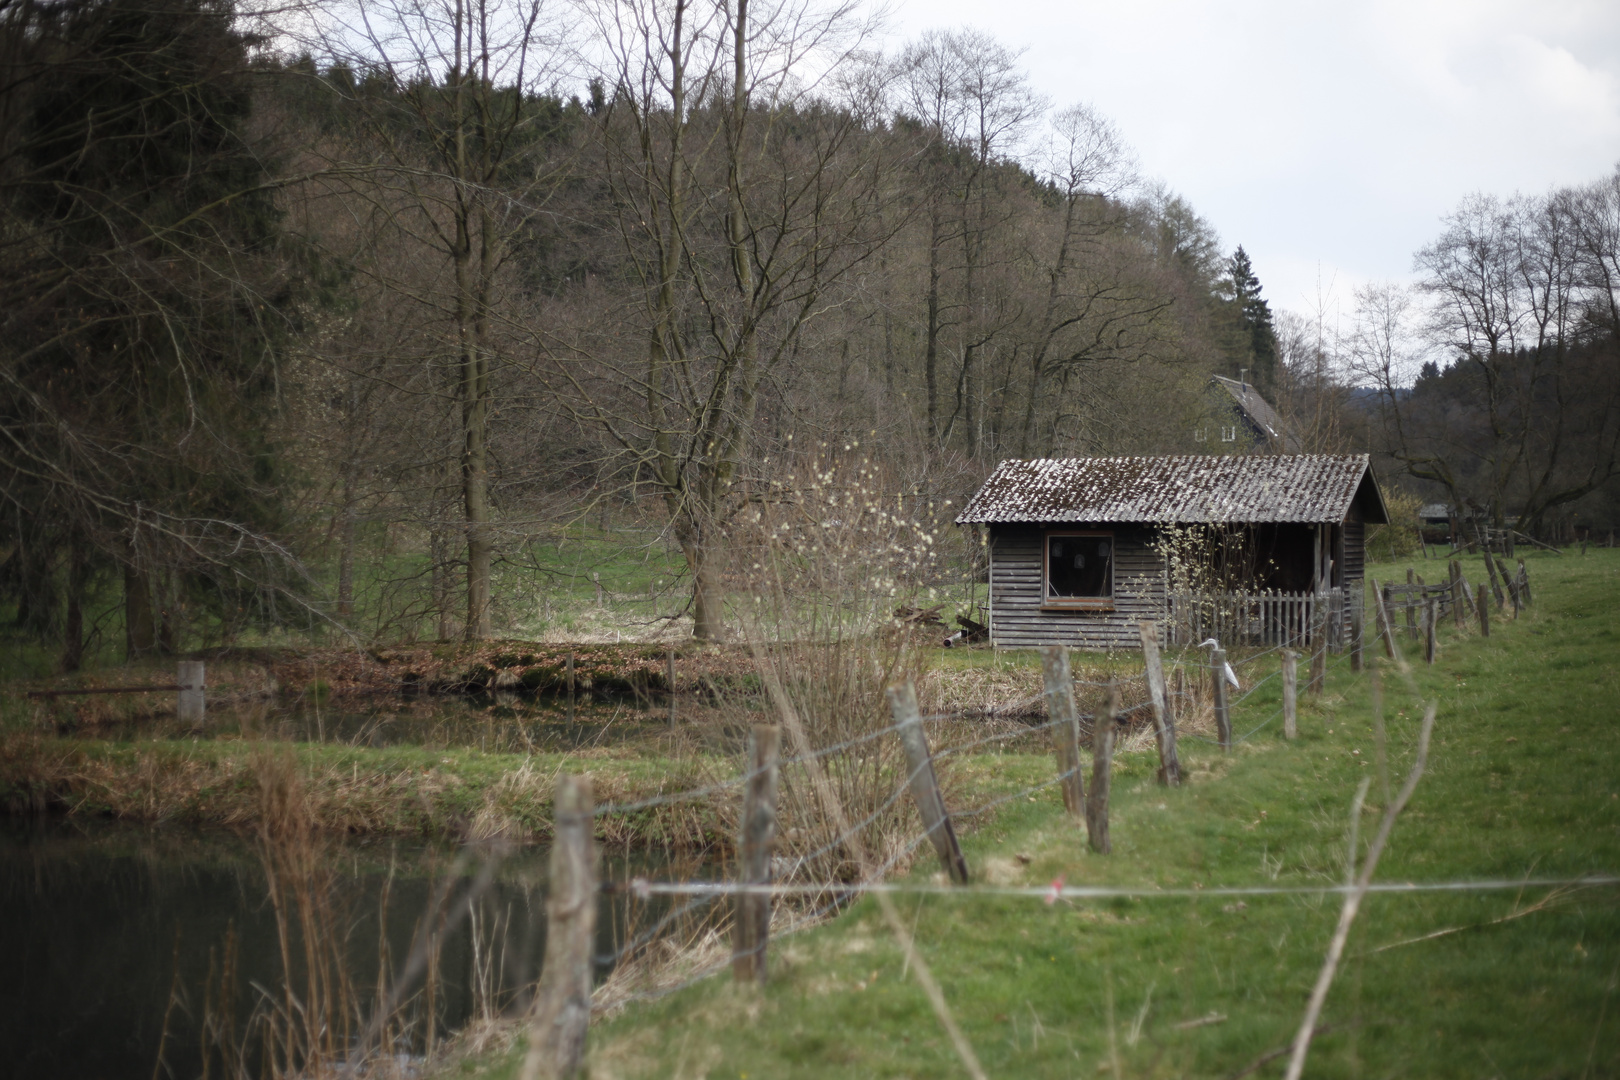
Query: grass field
point(1522, 782)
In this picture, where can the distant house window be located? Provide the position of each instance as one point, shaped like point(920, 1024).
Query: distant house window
point(1228, 434)
point(1079, 570)
point(1201, 434)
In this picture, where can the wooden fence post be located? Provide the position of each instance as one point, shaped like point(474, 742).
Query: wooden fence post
point(753, 929)
point(562, 1008)
point(1290, 679)
point(1457, 617)
point(1164, 720)
point(671, 680)
point(596, 579)
point(570, 686)
point(1524, 583)
point(1431, 615)
point(1483, 603)
point(1318, 655)
point(1217, 676)
point(1411, 612)
point(1102, 764)
point(924, 784)
point(1060, 709)
point(191, 703)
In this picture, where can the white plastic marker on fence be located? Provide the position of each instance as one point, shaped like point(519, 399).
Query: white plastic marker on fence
point(1221, 673)
point(562, 1005)
point(190, 705)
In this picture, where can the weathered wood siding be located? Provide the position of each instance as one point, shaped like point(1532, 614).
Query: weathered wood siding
point(1355, 548)
point(1016, 619)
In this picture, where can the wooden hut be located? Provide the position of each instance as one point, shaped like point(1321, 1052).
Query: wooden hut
point(1072, 542)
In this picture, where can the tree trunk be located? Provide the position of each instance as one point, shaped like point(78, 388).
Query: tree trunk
point(346, 533)
point(140, 629)
point(73, 624)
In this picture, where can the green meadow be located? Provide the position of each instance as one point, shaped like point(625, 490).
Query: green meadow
point(1522, 784)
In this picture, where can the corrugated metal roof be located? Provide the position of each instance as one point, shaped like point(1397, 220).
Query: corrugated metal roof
point(1189, 488)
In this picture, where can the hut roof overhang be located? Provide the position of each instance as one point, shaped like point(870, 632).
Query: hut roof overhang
point(1185, 489)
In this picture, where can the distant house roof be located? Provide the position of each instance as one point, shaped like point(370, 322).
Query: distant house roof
point(1259, 413)
point(1308, 488)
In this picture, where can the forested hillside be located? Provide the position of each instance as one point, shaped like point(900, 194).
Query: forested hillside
point(346, 319)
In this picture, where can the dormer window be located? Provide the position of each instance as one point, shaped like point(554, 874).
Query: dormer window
point(1228, 434)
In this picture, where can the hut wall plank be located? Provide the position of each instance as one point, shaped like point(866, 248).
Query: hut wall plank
point(1017, 620)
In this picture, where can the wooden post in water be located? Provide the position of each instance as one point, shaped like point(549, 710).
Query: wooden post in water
point(1164, 721)
point(753, 929)
point(924, 784)
point(1431, 615)
point(562, 1006)
point(1102, 765)
point(1065, 717)
point(1290, 679)
point(1217, 677)
point(191, 704)
point(1318, 653)
point(671, 686)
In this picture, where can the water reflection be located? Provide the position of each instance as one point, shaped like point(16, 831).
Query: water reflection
point(120, 941)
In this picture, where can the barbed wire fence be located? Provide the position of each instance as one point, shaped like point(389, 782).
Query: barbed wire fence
point(803, 893)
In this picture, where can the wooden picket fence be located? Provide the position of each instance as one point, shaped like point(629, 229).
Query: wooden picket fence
point(1263, 618)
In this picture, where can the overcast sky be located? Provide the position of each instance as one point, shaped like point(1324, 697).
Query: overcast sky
point(1328, 138)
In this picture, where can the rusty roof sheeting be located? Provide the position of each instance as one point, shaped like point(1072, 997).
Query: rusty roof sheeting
point(1187, 488)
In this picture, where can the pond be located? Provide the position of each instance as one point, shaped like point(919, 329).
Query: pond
point(126, 946)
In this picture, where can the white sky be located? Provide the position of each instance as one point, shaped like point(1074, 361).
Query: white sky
point(1328, 137)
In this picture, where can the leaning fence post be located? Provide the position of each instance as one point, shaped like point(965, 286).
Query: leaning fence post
point(562, 1008)
point(1060, 709)
point(190, 705)
point(1318, 652)
point(924, 784)
point(753, 928)
point(1217, 676)
point(1164, 721)
point(1102, 764)
point(1483, 603)
point(1290, 679)
point(1381, 618)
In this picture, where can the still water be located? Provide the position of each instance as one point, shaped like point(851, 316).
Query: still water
point(120, 945)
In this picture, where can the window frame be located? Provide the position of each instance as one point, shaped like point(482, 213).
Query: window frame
point(1077, 603)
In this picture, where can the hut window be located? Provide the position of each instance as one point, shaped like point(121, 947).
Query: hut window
point(1079, 569)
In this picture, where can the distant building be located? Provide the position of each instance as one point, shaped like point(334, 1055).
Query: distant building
point(1072, 557)
point(1244, 421)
